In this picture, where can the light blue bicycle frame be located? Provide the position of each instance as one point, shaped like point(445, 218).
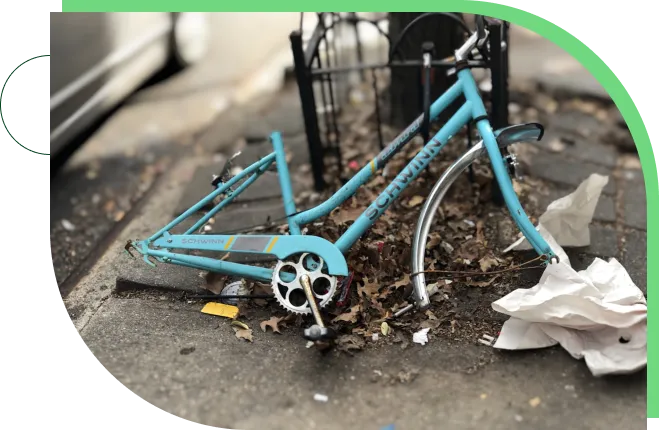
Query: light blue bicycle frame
point(161, 243)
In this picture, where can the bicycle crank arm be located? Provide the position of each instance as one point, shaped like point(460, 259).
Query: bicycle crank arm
point(317, 332)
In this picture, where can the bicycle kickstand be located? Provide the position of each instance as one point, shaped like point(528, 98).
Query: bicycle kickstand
point(317, 333)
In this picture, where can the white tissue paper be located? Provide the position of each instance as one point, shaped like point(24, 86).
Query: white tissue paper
point(597, 314)
point(567, 218)
point(421, 336)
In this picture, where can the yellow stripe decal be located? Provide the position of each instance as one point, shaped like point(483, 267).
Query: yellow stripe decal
point(229, 242)
point(372, 166)
point(272, 244)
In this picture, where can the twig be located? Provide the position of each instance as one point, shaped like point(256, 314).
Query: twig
point(460, 274)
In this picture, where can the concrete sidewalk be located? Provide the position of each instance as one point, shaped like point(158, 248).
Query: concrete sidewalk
point(534, 58)
point(180, 360)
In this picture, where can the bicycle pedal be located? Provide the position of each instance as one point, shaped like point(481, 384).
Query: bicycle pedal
point(316, 333)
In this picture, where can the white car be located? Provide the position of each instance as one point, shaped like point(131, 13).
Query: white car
point(99, 59)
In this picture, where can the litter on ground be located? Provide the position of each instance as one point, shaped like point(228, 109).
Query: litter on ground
point(220, 310)
point(322, 398)
point(421, 336)
point(597, 314)
point(567, 219)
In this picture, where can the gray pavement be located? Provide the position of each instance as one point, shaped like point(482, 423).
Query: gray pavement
point(535, 58)
point(271, 383)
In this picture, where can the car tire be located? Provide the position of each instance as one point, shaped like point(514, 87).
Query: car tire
point(189, 39)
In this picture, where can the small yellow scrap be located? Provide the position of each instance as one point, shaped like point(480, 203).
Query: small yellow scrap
point(534, 402)
point(221, 310)
point(240, 324)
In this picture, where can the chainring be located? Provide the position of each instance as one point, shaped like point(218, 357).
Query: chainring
point(290, 295)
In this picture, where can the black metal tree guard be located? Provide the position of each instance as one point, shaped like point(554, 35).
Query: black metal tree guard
point(310, 68)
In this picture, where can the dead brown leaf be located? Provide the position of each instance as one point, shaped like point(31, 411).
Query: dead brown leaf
point(261, 288)
point(215, 282)
point(244, 333)
point(415, 201)
point(459, 226)
point(382, 296)
point(372, 252)
point(487, 263)
point(239, 325)
point(470, 250)
point(430, 315)
point(350, 316)
point(480, 234)
point(378, 307)
point(404, 282)
point(349, 342)
point(273, 323)
point(434, 241)
point(370, 289)
point(453, 209)
point(344, 215)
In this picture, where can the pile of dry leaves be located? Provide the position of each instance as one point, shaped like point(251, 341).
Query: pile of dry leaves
point(379, 263)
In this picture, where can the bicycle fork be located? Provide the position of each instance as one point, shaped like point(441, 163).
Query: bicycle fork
point(434, 200)
point(509, 195)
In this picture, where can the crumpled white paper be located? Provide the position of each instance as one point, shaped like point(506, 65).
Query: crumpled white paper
point(567, 218)
point(421, 336)
point(597, 314)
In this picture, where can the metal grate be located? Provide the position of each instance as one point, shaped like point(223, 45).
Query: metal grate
point(325, 67)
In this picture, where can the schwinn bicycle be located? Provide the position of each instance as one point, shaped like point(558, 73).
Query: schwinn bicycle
point(304, 279)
